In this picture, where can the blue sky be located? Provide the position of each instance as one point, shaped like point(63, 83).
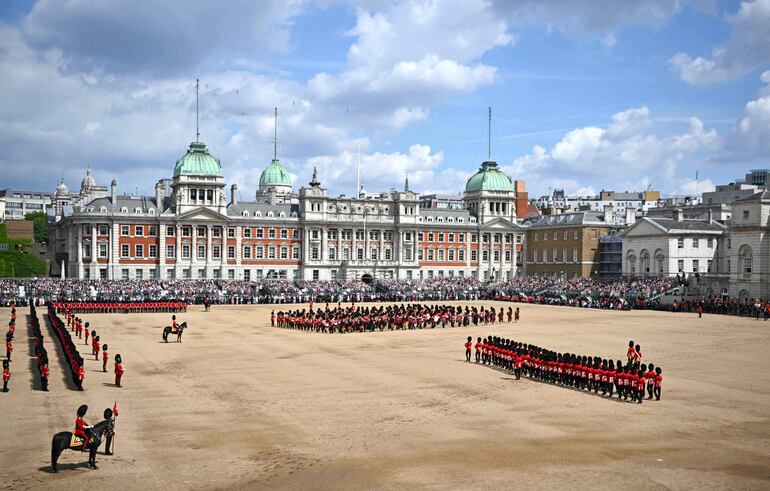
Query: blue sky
point(586, 95)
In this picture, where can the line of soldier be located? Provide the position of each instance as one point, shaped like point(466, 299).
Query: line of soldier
point(83, 329)
point(71, 354)
point(40, 352)
point(582, 372)
point(120, 307)
point(9, 349)
point(390, 317)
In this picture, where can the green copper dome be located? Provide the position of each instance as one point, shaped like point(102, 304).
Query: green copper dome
point(198, 161)
point(489, 178)
point(275, 175)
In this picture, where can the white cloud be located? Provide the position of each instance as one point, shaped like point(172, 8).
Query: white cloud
point(747, 48)
point(750, 139)
point(691, 187)
point(627, 150)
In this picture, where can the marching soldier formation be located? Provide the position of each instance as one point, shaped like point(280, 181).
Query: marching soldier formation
point(391, 317)
point(632, 381)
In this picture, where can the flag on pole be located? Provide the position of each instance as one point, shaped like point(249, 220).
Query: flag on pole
point(115, 408)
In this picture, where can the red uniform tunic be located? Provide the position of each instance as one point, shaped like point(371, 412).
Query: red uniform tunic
point(118, 373)
point(105, 357)
point(468, 346)
point(6, 375)
point(9, 346)
point(44, 371)
point(80, 427)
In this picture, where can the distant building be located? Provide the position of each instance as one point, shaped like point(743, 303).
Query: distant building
point(610, 256)
point(719, 212)
point(19, 203)
point(89, 191)
point(669, 246)
point(558, 202)
point(567, 244)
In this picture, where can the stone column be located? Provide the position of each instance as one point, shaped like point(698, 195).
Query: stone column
point(94, 247)
point(79, 233)
point(178, 253)
point(209, 241)
point(161, 250)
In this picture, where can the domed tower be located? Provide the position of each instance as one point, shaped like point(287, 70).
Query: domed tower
point(275, 181)
point(88, 182)
point(61, 198)
point(198, 180)
point(489, 194)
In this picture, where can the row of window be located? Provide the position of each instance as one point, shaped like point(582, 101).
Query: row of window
point(555, 235)
point(542, 256)
point(201, 231)
point(187, 273)
point(695, 243)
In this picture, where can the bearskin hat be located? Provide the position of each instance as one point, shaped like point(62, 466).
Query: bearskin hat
point(118, 359)
point(108, 413)
point(82, 410)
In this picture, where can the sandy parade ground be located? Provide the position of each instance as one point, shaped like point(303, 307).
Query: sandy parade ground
point(239, 404)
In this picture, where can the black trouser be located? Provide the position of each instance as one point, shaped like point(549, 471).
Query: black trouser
point(517, 372)
point(649, 391)
point(478, 356)
point(44, 382)
point(467, 355)
point(5, 386)
point(656, 391)
point(8, 355)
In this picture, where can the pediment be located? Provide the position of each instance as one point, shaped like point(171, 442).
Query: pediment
point(501, 224)
point(202, 214)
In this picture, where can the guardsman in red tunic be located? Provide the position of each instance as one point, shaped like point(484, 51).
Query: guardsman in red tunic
point(97, 348)
point(8, 346)
point(118, 369)
point(87, 332)
point(81, 371)
point(44, 372)
point(468, 346)
point(105, 357)
point(6, 375)
point(272, 318)
point(81, 426)
point(93, 342)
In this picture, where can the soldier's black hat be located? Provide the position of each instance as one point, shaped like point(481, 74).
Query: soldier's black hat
point(108, 413)
point(8, 336)
point(93, 333)
point(87, 324)
point(82, 410)
point(97, 339)
point(118, 359)
point(5, 363)
point(104, 347)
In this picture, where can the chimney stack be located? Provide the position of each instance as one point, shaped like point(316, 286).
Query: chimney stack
point(234, 194)
point(159, 196)
point(608, 217)
point(630, 216)
point(679, 215)
point(711, 215)
point(114, 192)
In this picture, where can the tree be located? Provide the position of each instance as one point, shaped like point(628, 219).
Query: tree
point(40, 223)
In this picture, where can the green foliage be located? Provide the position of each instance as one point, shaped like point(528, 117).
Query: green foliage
point(17, 262)
point(3, 232)
point(40, 224)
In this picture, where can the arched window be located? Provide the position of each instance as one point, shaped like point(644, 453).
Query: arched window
point(124, 210)
point(270, 214)
point(644, 262)
point(137, 210)
point(258, 214)
point(245, 213)
point(294, 214)
point(282, 215)
point(103, 209)
point(746, 260)
point(660, 261)
point(631, 262)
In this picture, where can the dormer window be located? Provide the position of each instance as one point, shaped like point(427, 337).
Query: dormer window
point(258, 214)
point(269, 214)
point(124, 210)
point(245, 213)
point(103, 209)
point(282, 215)
point(137, 210)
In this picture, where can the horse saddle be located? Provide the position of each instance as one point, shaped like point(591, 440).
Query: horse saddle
point(77, 441)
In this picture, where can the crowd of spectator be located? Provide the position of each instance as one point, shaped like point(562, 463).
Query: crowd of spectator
point(618, 293)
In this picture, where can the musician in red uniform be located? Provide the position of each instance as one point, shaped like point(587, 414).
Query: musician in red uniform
point(8, 346)
point(81, 371)
point(87, 332)
point(516, 315)
point(105, 357)
point(631, 353)
point(97, 348)
point(468, 346)
point(272, 317)
point(641, 381)
point(118, 369)
point(478, 349)
point(658, 383)
point(81, 426)
point(44, 372)
point(6, 375)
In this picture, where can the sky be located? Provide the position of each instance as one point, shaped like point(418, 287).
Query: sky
point(585, 94)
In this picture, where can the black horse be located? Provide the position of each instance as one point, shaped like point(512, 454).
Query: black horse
point(62, 441)
point(179, 330)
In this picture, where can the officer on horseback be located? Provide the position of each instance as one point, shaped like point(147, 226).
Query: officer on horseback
point(174, 325)
point(81, 426)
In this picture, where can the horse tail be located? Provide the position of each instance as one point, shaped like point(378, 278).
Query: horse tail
point(166, 330)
